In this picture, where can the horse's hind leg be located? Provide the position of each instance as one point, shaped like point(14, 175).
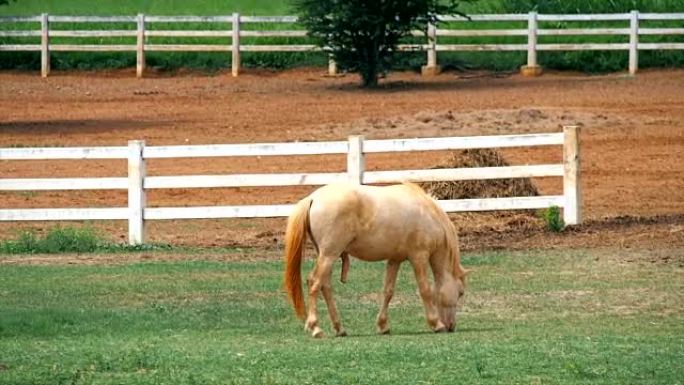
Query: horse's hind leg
point(345, 267)
point(391, 272)
point(311, 324)
point(318, 279)
point(332, 309)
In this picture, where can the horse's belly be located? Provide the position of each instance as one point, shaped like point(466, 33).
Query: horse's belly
point(373, 249)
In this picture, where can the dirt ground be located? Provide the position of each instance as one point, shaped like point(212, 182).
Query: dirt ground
point(632, 143)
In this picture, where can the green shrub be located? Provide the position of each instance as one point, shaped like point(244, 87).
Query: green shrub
point(553, 219)
point(363, 36)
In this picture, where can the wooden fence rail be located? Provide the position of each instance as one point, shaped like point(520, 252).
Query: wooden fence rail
point(137, 182)
point(234, 32)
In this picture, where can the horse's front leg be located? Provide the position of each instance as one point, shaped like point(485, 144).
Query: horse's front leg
point(420, 267)
point(391, 272)
point(319, 279)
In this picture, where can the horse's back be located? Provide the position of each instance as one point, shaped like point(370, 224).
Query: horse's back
point(367, 202)
point(341, 204)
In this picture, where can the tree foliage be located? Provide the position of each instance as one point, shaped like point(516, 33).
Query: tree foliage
point(6, 2)
point(362, 35)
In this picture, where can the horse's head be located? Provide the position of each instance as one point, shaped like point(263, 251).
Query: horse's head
point(450, 298)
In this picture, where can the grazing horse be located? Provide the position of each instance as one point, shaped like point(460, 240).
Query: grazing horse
point(394, 224)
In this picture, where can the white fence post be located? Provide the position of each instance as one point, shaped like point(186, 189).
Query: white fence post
point(140, 49)
point(532, 68)
point(136, 192)
point(572, 212)
point(532, 39)
point(355, 159)
point(332, 66)
point(44, 45)
point(633, 42)
point(431, 68)
point(235, 63)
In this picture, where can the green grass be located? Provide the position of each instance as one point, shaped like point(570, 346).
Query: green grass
point(538, 317)
point(156, 7)
point(70, 239)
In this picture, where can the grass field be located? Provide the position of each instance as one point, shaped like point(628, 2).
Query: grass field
point(550, 317)
point(160, 7)
point(174, 7)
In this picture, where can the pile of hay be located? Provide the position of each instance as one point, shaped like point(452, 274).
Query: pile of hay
point(492, 188)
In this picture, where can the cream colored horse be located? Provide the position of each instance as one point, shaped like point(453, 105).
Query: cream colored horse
point(394, 224)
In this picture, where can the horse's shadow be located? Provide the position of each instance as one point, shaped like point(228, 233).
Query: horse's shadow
point(423, 333)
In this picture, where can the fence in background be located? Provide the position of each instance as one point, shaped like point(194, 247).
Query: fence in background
point(355, 148)
point(432, 46)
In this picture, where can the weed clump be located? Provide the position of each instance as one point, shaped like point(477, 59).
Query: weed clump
point(70, 240)
point(552, 219)
point(57, 240)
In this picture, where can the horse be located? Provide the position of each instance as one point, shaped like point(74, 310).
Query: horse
point(394, 223)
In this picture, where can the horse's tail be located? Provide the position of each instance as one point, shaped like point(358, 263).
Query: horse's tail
point(295, 239)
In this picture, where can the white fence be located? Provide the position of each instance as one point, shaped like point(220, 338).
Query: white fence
point(355, 147)
point(234, 31)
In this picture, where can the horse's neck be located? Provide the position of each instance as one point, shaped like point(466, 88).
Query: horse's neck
point(446, 261)
point(453, 260)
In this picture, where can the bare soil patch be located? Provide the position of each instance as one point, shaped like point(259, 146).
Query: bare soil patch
point(632, 143)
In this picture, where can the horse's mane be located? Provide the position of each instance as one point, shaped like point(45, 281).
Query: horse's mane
point(450, 234)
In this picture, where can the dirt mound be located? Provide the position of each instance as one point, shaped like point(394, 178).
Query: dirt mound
point(492, 188)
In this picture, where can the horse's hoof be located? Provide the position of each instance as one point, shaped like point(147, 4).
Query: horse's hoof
point(441, 329)
point(384, 332)
point(341, 333)
point(317, 333)
point(382, 325)
point(311, 326)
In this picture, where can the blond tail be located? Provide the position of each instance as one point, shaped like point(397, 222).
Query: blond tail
point(295, 240)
